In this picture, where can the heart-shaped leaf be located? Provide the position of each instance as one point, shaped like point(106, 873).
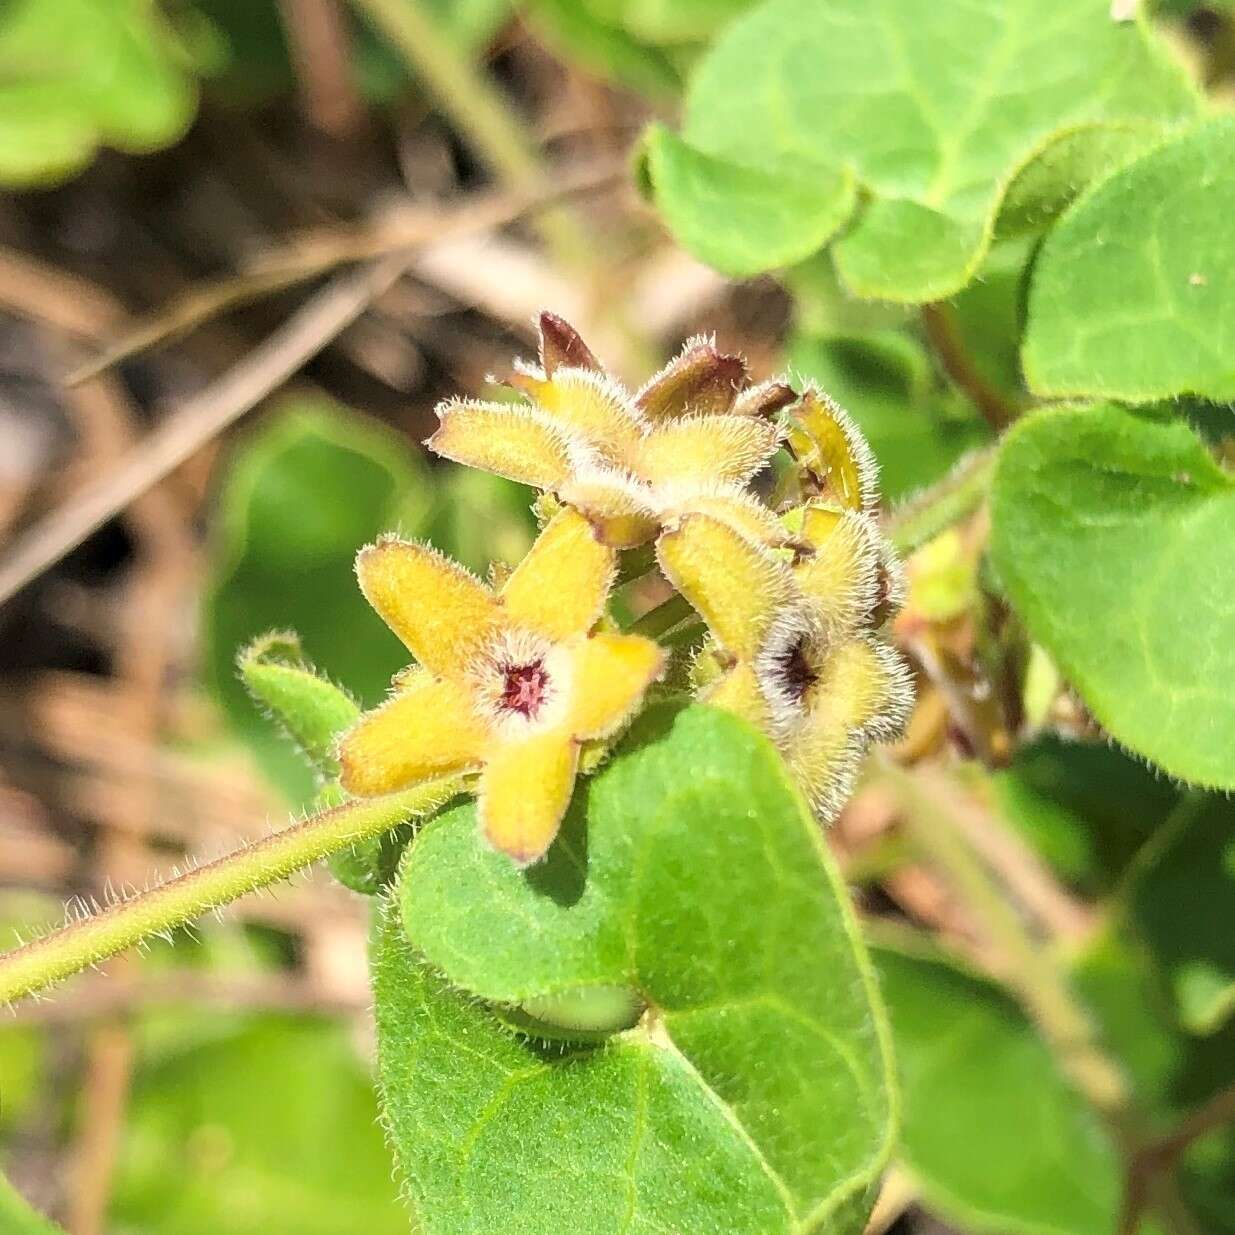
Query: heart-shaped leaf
point(750, 1097)
point(1112, 534)
point(935, 108)
point(1131, 296)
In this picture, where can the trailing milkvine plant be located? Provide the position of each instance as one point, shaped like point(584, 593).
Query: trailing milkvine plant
point(572, 927)
point(618, 983)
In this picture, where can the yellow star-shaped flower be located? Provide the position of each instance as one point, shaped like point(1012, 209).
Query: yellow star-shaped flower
point(689, 440)
point(509, 684)
point(802, 665)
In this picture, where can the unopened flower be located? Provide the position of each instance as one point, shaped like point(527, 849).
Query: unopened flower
point(509, 683)
point(822, 693)
point(690, 439)
point(835, 461)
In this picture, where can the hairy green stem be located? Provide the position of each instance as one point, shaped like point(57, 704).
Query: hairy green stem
point(1032, 976)
point(45, 961)
point(955, 497)
point(477, 110)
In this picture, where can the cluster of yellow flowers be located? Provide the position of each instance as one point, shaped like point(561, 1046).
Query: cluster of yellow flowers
point(512, 681)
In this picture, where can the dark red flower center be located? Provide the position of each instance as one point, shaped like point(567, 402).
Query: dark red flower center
point(524, 688)
point(797, 674)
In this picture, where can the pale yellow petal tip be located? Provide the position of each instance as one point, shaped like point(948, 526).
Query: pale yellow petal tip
point(524, 792)
point(611, 675)
point(506, 439)
point(436, 607)
point(425, 731)
point(560, 588)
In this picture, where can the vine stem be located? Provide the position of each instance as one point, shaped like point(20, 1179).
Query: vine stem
point(48, 960)
point(940, 324)
point(956, 496)
point(478, 111)
point(1032, 976)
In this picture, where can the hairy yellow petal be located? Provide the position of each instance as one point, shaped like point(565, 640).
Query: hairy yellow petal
point(617, 506)
point(425, 730)
point(589, 406)
point(699, 380)
point(727, 502)
point(736, 585)
point(738, 692)
point(439, 610)
point(863, 694)
point(841, 575)
point(560, 587)
point(516, 442)
point(705, 448)
point(524, 791)
point(831, 448)
point(611, 673)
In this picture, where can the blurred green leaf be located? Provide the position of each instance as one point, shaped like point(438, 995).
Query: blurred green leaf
point(1182, 898)
point(744, 220)
point(1110, 532)
point(298, 497)
point(1131, 294)
point(1085, 806)
point(479, 519)
point(1173, 1073)
point(668, 21)
point(995, 1138)
point(934, 107)
point(271, 1130)
point(17, 1218)
point(79, 74)
point(586, 39)
point(753, 1099)
point(885, 381)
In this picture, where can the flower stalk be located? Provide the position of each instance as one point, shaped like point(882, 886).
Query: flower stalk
point(46, 961)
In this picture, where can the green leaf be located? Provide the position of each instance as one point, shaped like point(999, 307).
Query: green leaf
point(17, 1218)
point(751, 1098)
point(935, 108)
point(1173, 1073)
point(668, 21)
point(298, 497)
point(1085, 806)
point(1182, 899)
point(268, 1130)
point(1131, 294)
point(584, 38)
point(79, 74)
point(744, 220)
point(995, 1138)
point(1111, 534)
point(884, 380)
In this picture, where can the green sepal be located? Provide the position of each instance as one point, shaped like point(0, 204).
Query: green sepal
point(312, 710)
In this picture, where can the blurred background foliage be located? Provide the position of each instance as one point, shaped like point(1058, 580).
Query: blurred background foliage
point(161, 159)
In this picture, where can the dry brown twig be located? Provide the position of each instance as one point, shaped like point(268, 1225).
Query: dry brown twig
point(198, 420)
